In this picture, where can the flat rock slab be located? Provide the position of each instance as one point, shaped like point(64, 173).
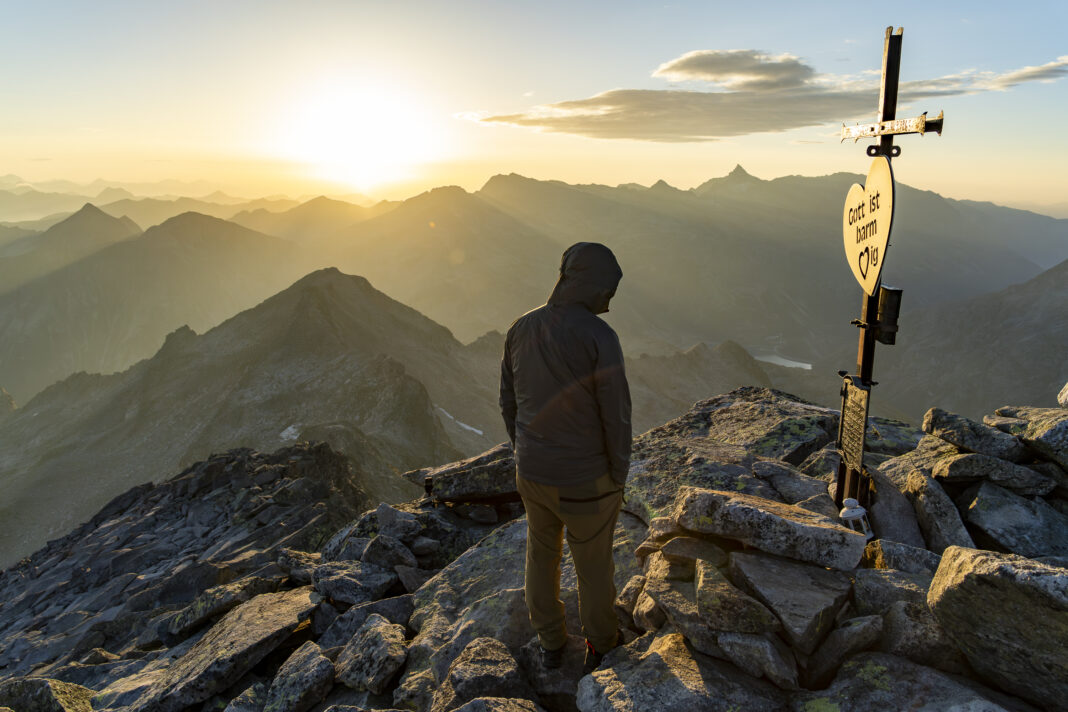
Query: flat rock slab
point(1028, 527)
point(492, 481)
point(683, 549)
point(927, 453)
point(887, 554)
point(874, 590)
point(1046, 432)
point(725, 607)
point(231, 648)
point(936, 513)
point(877, 681)
point(352, 582)
point(973, 467)
point(1009, 616)
point(678, 601)
point(773, 527)
point(38, 694)
point(397, 609)
point(891, 513)
point(664, 673)
point(791, 484)
point(500, 704)
point(761, 656)
point(971, 436)
point(805, 598)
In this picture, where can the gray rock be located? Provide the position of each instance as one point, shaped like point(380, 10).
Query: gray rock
point(855, 635)
point(724, 607)
point(678, 601)
point(298, 564)
point(413, 578)
point(386, 552)
point(396, 523)
point(761, 656)
point(373, 657)
point(805, 598)
point(971, 436)
point(690, 549)
point(820, 504)
point(1062, 397)
point(628, 597)
point(648, 615)
point(500, 704)
point(352, 582)
point(891, 513)
point(874, 590)
point(485, 668)
point(791, 484)
point(659, 566)
point(938, 517)
point(1028, 527)
point(302, 681)
point(232, 647)
point(822, 464)
point(972, 467)
point(1009, 616)
point(664, 673)
point(1046, 432)
point(1056, 473)
point(911, 631)
point(927, 453)
point(424, 546)
point(251, 700)
point(886, 554)
point(770, 526)
point(664, 529)
point(481, 513)
point(216, 601)
point(396, 610)
point(489, 481)
point(877, 681)
point(38, 694)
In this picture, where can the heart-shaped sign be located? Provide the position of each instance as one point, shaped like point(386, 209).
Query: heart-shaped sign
point(869, 212)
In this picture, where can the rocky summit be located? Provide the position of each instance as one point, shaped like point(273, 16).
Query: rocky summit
point(259, 582)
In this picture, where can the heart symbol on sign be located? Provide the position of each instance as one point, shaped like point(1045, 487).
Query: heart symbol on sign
point(869, 211)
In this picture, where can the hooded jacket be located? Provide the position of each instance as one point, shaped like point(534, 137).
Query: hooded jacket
point(564, 393)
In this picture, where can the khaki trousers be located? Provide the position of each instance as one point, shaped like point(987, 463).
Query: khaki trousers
point(588, 512)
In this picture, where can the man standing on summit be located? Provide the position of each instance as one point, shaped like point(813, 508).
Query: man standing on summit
point(566, 404)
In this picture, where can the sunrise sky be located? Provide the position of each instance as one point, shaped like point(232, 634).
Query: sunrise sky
point(388, 98)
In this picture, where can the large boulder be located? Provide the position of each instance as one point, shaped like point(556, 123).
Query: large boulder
point(886, 554)
point(874, 590)
point(938, 516)
point(302, 681)
point(1062, 397)
point(911, 631)
point(974, 467)
point(855, 635)
point(662, 672)
point(805, 598)
point(352, 582)
point(485, 668)
point(1028, 527)
point(770, 526)
point(1045, 431)
point(38, 694)
point(373, 657)
point(232, 647)
point(971, 436)
point(890, 512)
point(923, 458)
point(723, 606)
point(877, 681)
point(1009, 616)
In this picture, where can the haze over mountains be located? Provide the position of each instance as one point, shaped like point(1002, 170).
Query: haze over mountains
point(735, 267)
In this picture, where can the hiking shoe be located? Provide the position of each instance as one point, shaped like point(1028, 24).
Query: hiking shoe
point(593, 659)
point(552, 659)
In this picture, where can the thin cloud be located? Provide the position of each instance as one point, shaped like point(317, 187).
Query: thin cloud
point(751, 92)
point(738, 69)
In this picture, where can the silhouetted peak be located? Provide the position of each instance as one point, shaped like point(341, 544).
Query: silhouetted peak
point(90, 217)
point(662, 186)
point(739, 173)
point(89, 210)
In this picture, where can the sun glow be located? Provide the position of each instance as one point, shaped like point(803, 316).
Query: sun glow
point(359, 134)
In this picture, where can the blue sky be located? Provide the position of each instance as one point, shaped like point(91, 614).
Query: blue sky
point(389, 97)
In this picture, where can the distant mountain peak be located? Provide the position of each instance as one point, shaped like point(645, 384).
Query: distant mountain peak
point(662, 186)
point(739, 173)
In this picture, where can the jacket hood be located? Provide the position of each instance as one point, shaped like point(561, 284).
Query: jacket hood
point(589, 275)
